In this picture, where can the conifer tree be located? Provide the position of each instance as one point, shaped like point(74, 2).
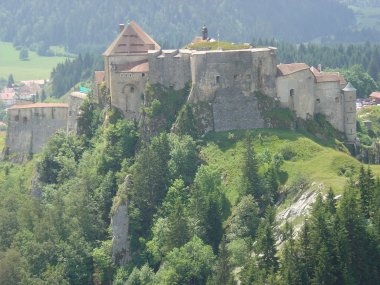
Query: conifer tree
point(265, 247)
point(252, 182)
point(366, 187)
point(11, 81)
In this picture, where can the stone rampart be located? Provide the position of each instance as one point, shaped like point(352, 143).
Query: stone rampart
point(30, 127)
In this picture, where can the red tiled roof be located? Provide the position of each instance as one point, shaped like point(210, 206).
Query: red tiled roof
point(132, 39)
point(140, 68)
point(327, 76)
point(134, 67)
point(99, 77)
point(40, 105)
point(375, 95)
point(286, 69)
point(7, 95)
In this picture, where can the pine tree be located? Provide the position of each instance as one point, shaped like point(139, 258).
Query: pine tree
point(11, 81)
point(252, 182)
point(366, 187)
point(222, 272)
point(265, 247)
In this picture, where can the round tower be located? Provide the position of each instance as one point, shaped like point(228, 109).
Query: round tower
point(349, 95)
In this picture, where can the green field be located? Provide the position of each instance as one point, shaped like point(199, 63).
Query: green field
point(37, 67)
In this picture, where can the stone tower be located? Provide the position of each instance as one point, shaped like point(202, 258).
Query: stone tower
point(126, 68)
point(349, 97)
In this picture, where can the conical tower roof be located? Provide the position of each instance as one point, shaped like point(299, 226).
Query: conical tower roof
point(132, 39)
point(349, 88)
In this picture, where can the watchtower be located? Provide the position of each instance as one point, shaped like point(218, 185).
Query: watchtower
point(349, 95)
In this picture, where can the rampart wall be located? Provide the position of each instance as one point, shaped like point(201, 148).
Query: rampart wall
point(29, 127)
point(170, 68)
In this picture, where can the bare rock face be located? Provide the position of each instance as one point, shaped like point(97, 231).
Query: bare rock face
point(120, 226)
point(36, 186)
point(301, 207)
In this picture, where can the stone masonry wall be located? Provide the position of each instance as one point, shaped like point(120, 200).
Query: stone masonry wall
point(126, 88)
point(232, 109)
point(329, 101)
point(228, 80)
point(170, 68)
point(296, 92)
point(30, 128)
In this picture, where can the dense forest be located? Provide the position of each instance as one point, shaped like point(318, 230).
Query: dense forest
point(362, 3)
point(83, 25)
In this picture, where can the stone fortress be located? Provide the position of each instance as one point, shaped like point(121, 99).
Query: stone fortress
point(226, 80)
point(30, 126)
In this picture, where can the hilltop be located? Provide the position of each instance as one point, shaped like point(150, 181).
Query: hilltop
point(82, 26)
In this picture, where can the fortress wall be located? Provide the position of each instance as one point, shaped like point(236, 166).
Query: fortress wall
point(247, 70)
point(45, 122)
point(296, 92)
point(128, 92)
point(19, 133)
point(232, 109)
point(329, 101)
point(30, 128)
point(228, 81)
point(170, 70)
point(264, 70)
point(122, 83)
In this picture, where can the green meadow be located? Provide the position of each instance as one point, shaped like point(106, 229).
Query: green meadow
point(37, 67)
point(306, 156)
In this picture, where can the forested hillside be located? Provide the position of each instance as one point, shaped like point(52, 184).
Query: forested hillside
point(362, 3)
point(201, 209)
point(80, 25)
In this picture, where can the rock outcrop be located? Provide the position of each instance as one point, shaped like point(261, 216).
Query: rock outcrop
point(120, 225)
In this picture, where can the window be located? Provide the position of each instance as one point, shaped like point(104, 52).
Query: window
point(17, 118)
point(24, 120)
point(336, 99)
point(143, 75)
point(235, 77)
point(132, 89)
point(291, 92)
point(217, 79)
point(318, 100)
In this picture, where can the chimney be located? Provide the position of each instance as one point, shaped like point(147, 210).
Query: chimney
point(320, 67)
point(121, 27)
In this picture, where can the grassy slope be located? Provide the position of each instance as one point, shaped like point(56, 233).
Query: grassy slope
point(321, 163)
point(36, 67)
point(314, 159)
